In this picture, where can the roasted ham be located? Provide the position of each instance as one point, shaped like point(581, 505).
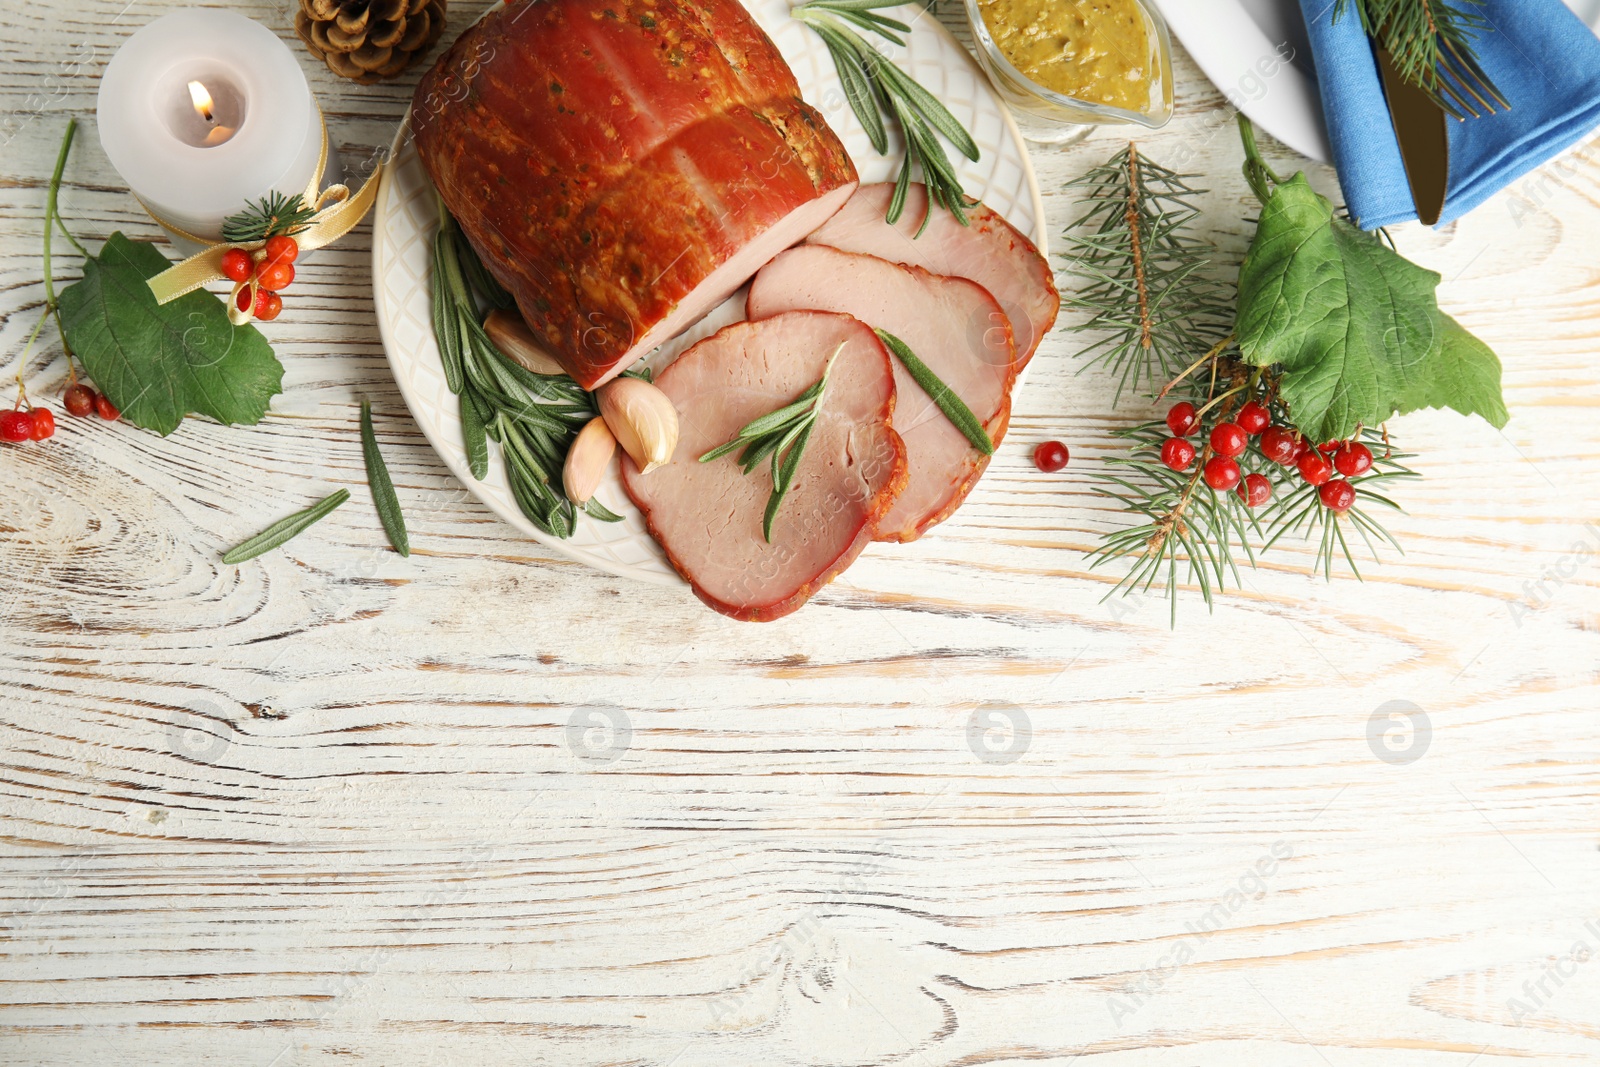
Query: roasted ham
point(622, 167)
point(708, 516)
point(989, 251)
point(952, 324)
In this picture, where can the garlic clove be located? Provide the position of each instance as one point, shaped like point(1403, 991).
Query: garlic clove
point(642, 418)
point(512, 336)
point(587, 461)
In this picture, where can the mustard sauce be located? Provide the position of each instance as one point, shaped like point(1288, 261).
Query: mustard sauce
point(1093, 50)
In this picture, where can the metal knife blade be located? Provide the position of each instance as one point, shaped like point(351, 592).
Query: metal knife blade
point(1419, 126)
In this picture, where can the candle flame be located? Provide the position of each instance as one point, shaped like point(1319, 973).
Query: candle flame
point(201, 99)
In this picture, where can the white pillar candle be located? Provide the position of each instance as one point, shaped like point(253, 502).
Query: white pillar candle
point(203, 112)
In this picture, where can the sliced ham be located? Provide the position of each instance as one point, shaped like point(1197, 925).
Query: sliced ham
point(989, 251)
point(622, 167)
point(708, 516)
point(952, 324)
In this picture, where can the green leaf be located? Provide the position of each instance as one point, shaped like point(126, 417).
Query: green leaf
point(1354, 326)
point(158, 363)
point(383, 494)
point(472, 435)
point(954, 408)
point(285, 529)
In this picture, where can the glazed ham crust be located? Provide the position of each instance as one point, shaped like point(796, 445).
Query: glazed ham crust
point(708, 516)
point(623, 166)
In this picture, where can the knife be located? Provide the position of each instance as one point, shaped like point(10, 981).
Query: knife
point(1419, 126)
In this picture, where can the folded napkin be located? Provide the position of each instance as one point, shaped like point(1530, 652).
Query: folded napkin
point(1539, 54)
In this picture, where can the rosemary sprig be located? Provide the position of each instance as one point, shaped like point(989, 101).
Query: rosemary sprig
point(954, 408)
point(533, 417)
point(272, 216)
point(1431, 44)
point(879, 90)
point(780, 437)
point(383, 494)
point(285, 529)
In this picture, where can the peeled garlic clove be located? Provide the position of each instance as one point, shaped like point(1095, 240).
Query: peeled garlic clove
point(512, 336)
point(587, 461)
point(642, 418)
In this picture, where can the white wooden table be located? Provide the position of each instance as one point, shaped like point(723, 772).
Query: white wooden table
point(484, 806)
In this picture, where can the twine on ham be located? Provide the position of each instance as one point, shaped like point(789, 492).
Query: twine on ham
point(337, 213)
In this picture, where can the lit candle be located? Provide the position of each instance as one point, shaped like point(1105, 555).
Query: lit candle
point(203, 112)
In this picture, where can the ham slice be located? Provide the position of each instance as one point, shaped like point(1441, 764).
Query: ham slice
point(989, 251)
point(622, 167)
point(952, 324)
point(708, 516)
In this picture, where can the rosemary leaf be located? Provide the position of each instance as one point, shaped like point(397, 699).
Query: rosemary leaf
point(948, 402)
point(473, 436)
point(285, 529)
point(383, 494)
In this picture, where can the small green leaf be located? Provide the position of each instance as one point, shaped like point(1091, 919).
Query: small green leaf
point(158, 363)
point(285, 529)
point(941, 394)
point(472, 435)
point(383, 494)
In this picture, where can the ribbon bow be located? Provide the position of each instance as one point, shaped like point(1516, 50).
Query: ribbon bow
point(337, 213)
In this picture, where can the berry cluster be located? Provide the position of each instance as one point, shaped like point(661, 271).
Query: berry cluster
point(1282, 445)
point(32, 423)
point(261, 275)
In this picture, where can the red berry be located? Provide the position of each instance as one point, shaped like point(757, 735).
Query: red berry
point(1253, 418)
point(1222, 473)
point(1338, 496)
point(1177, 453)
point(1182, 420)
point(237, 266)
point(273, 275)
point(16, 426)
point(106, 409)
point(1227, 439)
point(1353, 459)
point(268, 310)
point(241, 299)
point(281, 249)
point(1315, 468)
point(1327, 447)
point(1255, 490)
point(44, 424)
point(78, 400)
point(1051, 456)
point(1301, 445)
point(1279, 445)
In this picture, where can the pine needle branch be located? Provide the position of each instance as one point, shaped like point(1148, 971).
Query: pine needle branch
point(1431, 42)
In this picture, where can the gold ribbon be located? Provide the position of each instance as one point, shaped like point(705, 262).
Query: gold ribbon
point(337, 213)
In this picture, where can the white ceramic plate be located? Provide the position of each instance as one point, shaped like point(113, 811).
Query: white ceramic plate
point(1240, 45)
point(405, 222)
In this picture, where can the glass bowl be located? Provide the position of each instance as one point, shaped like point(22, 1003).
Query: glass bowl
point(1053, 118)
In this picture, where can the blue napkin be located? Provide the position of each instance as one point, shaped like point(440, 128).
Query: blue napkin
point(1539, 54)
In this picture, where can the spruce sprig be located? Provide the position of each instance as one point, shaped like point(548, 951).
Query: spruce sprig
point(1431, 44)
point(274, 215)
point(1142, 280)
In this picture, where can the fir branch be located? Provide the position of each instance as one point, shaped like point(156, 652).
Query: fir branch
point(1142, 280)
point(1431, 42)
point(272, 216)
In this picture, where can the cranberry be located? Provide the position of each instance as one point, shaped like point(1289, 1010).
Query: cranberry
point(268, 309)
point(1327, 447)
point(1182, 420)
point(1253, 418)
point(1280, 445)
point(1222, 473)
point(1353, 459)
point(281, 249)
point(1338, 496)
point(1227, 439)
point(237, 266)
point(78, 400)
point(1315, 468)
point(1255, 490)
point(1177, 453)
point(44, 424)
point(106, 409)
point(274, 275)
point(16, 426)
point(1051, 456)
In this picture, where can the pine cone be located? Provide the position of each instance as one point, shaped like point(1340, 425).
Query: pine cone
point(369, 40)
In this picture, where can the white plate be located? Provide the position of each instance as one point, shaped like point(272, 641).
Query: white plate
point(405, 222)
point(1239, 44)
